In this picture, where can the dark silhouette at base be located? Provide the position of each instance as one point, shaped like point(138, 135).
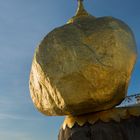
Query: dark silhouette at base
point(128, 129)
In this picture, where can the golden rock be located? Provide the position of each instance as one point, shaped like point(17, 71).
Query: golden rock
point(84, 66)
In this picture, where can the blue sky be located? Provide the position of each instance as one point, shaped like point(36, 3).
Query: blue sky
point(23, 23)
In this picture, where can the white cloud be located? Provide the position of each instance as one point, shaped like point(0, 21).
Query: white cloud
point(8, 116)
point(15, 136)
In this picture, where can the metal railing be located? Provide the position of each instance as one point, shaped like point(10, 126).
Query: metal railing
point(132, 100)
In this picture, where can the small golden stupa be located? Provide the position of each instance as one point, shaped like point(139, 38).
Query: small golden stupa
point(83, 66)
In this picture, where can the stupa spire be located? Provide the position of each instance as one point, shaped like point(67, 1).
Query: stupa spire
point(81, 10)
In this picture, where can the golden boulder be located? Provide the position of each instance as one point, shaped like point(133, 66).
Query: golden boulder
point(84, 66)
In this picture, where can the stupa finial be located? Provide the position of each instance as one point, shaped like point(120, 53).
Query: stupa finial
point(81, 10)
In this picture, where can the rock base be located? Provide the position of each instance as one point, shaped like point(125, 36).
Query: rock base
point(127, 129)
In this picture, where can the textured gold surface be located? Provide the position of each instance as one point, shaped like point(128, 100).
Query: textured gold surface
point(83, 66)
point(116, 114)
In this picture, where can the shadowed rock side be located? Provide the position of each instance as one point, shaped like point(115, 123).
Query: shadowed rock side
point(128, 129)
